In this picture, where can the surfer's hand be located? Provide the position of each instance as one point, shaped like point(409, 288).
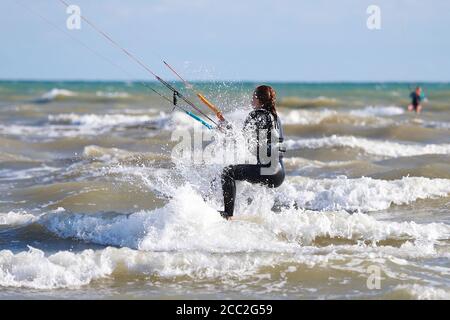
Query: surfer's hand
point(225, 126)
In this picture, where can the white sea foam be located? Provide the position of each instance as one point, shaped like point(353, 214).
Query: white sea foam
point(375, 147)
point(341, 193)
point(378, 111)
point(306, 117)
point(303, 162)
point(49, 132)
point(188, 223)
point(56, 93)
point(184, 237)
point(113, 155)
point(14, 175)
point(72, 125)
point(179, 225)
point(16, 218)
point(107, 120)
point(364, 194)
point(34, 269)
point(420, 292)
point(369, 116)
point(436, 124)
point(112, 95)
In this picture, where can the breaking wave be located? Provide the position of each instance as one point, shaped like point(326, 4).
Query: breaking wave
point(55, 94)
point(375, 147)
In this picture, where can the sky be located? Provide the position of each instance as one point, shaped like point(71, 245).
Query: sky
point(238, 40)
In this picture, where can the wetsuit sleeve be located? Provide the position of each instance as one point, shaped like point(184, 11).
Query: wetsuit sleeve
point(257, 120)
point(280, 130)
point(249, 131)
point(248, 123)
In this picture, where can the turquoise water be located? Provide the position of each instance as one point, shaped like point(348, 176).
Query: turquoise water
point(344, 94)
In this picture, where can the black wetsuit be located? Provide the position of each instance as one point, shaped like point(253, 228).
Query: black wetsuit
point(262, 172)
point(415, 99)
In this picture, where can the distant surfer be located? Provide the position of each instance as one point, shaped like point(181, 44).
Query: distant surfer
point(416, 98)
point(263, 126)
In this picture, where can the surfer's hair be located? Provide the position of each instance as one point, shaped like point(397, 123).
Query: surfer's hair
point(267, 97)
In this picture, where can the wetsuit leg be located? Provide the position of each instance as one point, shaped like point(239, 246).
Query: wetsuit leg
point(250, 173)
point(228, 189)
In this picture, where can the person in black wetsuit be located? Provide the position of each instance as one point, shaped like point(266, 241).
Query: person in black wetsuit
point(416, 98)
point(264, 127)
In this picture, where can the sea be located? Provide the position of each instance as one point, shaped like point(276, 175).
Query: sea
point(96, 204)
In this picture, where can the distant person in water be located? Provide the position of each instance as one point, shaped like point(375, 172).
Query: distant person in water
point(416, 99)
point(263, 127)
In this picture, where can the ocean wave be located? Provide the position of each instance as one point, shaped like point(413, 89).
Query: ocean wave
point(114, 154)
point(370, 116)
point(187, 222)
point(179, 225)
point(178, 243)
point(55, 94)
point(106, 120)
point(295, 162)
point(375, 147)
point(378, 111)
point(305, 117)
point(72, 125)
point(33, 269)
point(11, 157)
point(297, 166)
point(31, 173)
point(436, 124)
point(49, 132)
point(112, 95)
point(16, 218)
point(308, 118)
point(296, 102)
point(418, 292)
point(183, 238)
point(361, 194)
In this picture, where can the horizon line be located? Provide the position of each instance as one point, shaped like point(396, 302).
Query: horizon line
point(227, 80)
